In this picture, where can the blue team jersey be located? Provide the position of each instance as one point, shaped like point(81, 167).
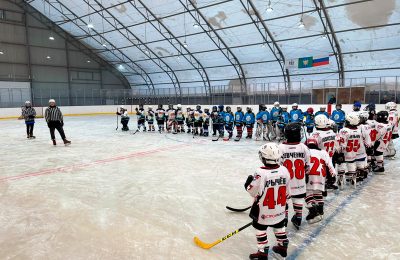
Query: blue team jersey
point(338, 116)
point(229, 118)
point(239, 117)
point(322, 113)
point(249, 118)
point(309, 120)
point(221, 117)
point(263, 116)
point(275, 112)
point(296, 116)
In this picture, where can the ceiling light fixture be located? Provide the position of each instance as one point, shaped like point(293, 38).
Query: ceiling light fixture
point(196, 25)
point(104, 45)
point(324, 35)
point(51, 38)
point(185, 44)
point(90, 25)
point(88, 61)
point(301, 23)
point(121, 67)
point(48, 57)
point(146, 51)
point(269, 8)
point(1, 52)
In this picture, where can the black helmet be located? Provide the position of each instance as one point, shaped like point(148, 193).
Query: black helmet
point(159, 106)
point(248, 109)
point(228, 109)
point(261, 107)
point(170, 106)
point(206, 110)
point(293, 133)
point(214, 108)
point(371, 115)
point(239, 109)
point(382, 116)
point(198, 107)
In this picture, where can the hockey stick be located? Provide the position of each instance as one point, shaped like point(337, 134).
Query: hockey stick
point(238, 210)
point(117, 121)
point(204, 245)
point(137, 130)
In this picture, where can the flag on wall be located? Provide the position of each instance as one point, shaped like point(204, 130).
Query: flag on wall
point(306, 62)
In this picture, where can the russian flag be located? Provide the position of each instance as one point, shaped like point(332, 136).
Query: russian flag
point(320, 61)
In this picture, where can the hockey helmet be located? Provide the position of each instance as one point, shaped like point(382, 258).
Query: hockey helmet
point(292, 132)
point(221, 108)
point(357, 106)
point(382, 116)
point(214, 108)
point(390, 106)
point(370, 107)
point(239, 109)
point(27, 103)
point(179, 106)
point(371, 115)
point(52, 101)
point(310, 110)
point(321, 121)
point(338, 106)
point(206, 110)
point(312, 143)
point(121, 108)
point(353, 119)
point(269, 153)
point(198, 107)
point(363, 116)
point(248, 109)
point(160, 106)
point(295, 106)
point(228, 109)
point(284, 108)
point(322, 108)
point(170, 106)
point(276, 104)
point(261, 107)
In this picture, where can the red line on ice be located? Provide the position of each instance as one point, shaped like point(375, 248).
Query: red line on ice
point(84, 165)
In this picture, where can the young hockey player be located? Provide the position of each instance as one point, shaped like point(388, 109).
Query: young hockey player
point(275, 113)
point(150, 118)
point(338, 116)
point(296, 115)
point(221, 122)
point(326, 140)
point(198, 109)
point(249, 120)
point(296, 158)
point(350, 140)
point(384, 129)
point(189, 119)
point(373, 135)
point(198, 122)
point(322, 111)
point(262, 119)
point(214, 120)
point(171, 122)
point(28, 113)
point(365, 147)
point(160, 117)
point(229, 120)
point(320, 163)
point(309, 122)
point(391, 107)
point(356, 106)
point(124, 118)
point(239, 122)
point(141, 118)
point(206, 121)
point(269, 187)
point(283, 120)
point(168, 125)
point(54, 119)
point(180, 119)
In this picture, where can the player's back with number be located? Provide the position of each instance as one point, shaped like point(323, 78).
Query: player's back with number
point(320, 162)
point(383, 137)
point(350, 141)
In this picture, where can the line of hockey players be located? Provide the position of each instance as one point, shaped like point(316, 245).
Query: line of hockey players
point(302, 172)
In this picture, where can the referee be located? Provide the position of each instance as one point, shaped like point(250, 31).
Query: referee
point(54, 119)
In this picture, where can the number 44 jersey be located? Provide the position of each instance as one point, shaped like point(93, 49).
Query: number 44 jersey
point(296, 157)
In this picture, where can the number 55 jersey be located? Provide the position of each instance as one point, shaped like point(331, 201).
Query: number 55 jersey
point(350, 141)
point(296, 157)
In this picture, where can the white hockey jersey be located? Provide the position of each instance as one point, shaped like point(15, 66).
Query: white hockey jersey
point(295, 157)
point(320, 162)
point(326, 141)
point(171, 115)
point(394, 120)
point(366, 140)
point(270, 187)
point(350, 141)
point(383, 136)
point(373, 133)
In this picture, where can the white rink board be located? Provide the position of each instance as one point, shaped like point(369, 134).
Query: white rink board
point(113, 195)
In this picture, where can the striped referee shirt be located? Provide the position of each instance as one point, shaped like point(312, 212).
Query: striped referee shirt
point(29, 114)
point(53, 114)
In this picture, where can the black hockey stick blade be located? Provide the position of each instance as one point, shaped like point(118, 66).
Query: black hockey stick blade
point(238, 210)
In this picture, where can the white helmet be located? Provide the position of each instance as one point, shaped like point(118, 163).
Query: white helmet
point(269, 153)
point(284, 107)
point(322, 107)
point(276, 104)
point(390, 106)
point(121, 107)
point(27, 102)
point(150, 107)
point(52, 101)
point(321, 121)
point(295, 105)
point(331, 123)
point(353, 118)
point(179, 106)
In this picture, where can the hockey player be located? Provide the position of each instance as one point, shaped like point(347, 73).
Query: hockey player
point(54, 119)
point(270, 188)
point(262, 119)
point(275, 113)
point(365, 147)
point(214, 120)
point(180, 119)
point(322, 111)
point(198, 122)
point(296, 158)
point(356, 106)
point(384, 129)
point(326, 140)
point(373, 135)
point(239, 121)
point(189, 119)
point(221, 121)
point(283, 120)
point(124, 118)
point(350, 140)
point(206, 121)
point(28, 113)
point(391, 107)
point(320, 163)
point(338, 116)
point(229, 121)
point(160, 117)
point(141, 118)
point(198, 109)
point(249, 120)
point(171, 123)
point(309, 122)
point(150, 118)
point(296, 115)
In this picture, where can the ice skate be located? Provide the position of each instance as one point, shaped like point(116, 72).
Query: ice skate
point(296, 220)
point(54, 141)
point(260, 255)
point(313, 215)
point(281, 249)
point(66, 142)
point(379, 169)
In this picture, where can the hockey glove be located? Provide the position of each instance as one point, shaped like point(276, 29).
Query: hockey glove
point(255, 210)
point(370, 151)
point(248, 181)
point(395, 136)
point(62, 123)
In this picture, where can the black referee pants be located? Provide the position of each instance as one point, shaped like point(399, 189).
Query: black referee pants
point(53, 125)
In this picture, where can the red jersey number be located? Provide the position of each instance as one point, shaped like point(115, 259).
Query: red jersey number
point(329, 147)
point(352, 145)
point(269, 200)
point(315, 166)
point(373, 134)
point(299, 169)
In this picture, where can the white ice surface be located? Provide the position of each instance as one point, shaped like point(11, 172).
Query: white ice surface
point(113, 195)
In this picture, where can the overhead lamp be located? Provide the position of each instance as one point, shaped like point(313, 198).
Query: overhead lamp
point(88, 61)
point(324, 36)
point(1, 52)
point(264, 45)
point(146, 51)
point(51, 38)
point(90, 25)
point(104, 45)
point(301, 24)
point(121, 67)
point(48, 57)
point(196, 25)
point(185, 44)
point(269, 8)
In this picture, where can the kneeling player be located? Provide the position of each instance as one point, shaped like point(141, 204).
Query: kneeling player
point(320, 162)
point(270, 188)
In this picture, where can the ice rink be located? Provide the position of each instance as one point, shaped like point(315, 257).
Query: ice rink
point(114, 195)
